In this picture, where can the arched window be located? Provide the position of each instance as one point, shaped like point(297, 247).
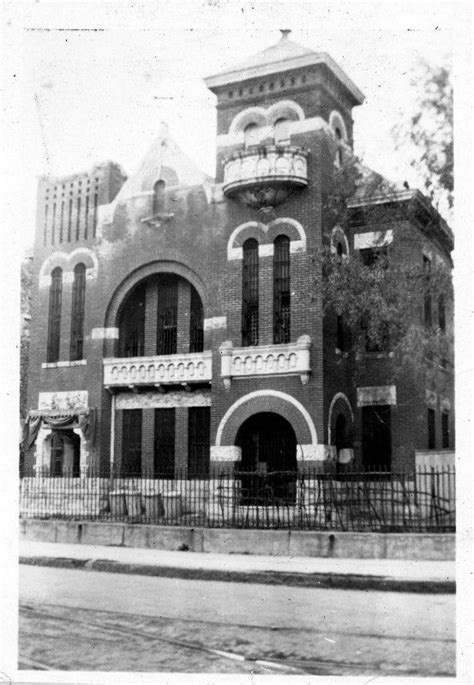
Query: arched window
point(196, 323)
point(77, 312)
point(281, 131)
point(159, 196)
point(250, 293)
point(251, 136)
point(339, 249)
point(54, 319)
point(281, 290)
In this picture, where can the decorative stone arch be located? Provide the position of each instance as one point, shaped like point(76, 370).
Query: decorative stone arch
point(252, 115)
point(284, 109)
point(67, 261)
point(266, 234)
point(144, 271)
point(336, 121)
point(273, 401)
point(338, 235)
point(339, 405)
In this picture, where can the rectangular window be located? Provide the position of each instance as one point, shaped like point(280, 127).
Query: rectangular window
point(132, 325)
point(340, 334)
point(370, 255)
point(196, 323)
point(427, 304)
point(78, 218)
point(94, 226)
point(445, 430)
point(77, 313)
point(250, 293)
point(199, 431)
point(164, 443)
point(281, 290)
point(132, 442)
point(86, 221)
point(441, 314)
point(167, 333)
point(54, 317)
point(431, 429)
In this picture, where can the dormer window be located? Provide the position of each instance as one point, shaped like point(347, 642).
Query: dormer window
point(251, 135)
point(281, 131)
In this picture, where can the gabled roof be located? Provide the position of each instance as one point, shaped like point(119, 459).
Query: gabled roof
point(283, 56)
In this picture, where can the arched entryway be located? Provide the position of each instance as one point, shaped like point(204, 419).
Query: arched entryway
point(65, 453)
point(268, 464)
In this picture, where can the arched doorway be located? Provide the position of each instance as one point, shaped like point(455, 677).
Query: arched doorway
point(268, 465)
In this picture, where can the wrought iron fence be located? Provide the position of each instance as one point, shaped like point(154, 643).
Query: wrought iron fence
point(423, 500)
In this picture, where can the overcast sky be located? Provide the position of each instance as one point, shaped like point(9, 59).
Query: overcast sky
point(100, 92)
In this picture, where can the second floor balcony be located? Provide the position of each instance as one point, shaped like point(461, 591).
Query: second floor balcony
point(265, 175)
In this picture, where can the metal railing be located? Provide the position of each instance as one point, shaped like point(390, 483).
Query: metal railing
point(423, 500)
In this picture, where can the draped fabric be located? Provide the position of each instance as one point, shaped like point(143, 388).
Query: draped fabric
point(85, 420)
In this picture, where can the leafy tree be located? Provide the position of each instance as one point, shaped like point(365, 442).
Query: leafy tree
point(427, 133)
point(26, 286)
point(385, 302)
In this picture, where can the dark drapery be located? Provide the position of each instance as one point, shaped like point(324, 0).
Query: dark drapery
point(85, 420)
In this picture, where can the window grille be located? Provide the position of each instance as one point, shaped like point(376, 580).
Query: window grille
point(445, 430)
point(164, 443)
point(132, 442)
point(441, 313)
point(431, 429)
point(199, 424)
point(196, 333)
point(167, 333)
point(250, 293)
point(132, 325)
point(281, 290)
point(54, 319)
point(77, 312)
point(78, 218)
point(69, 222)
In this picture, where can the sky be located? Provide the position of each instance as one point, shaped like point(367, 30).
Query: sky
point(92, 81)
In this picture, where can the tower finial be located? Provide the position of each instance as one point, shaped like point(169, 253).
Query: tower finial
point(285, 33)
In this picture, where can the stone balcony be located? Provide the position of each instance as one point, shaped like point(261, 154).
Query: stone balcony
point(265, 175)
point(173, 369)
point(292, 359)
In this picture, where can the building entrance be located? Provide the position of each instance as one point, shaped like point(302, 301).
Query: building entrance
point(376, 438)
point(268, 465)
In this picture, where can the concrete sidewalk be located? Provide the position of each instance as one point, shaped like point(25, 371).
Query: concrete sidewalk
point(376, 574)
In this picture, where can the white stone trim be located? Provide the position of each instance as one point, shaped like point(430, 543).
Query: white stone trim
point(226, 453)
point(373, 239)
point(63, 400)
point(66, 257)
point(335, 118)
point(264, 118)
point(111, 333)
point(234, 253)
point(277, 111)
point(376, 394)
point(267, 393)
point(232, 139)
point(338, 231)
point(266, 250)
point(215, 323)
point(338, 396)
point(65, 364)
point(154, 399)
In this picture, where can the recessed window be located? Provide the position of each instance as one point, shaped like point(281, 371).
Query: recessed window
point(445, 430)
point(261, 87)
point(54, 319)
point(159, 196)
point(441, 313)
point(77, 313)
point(251, 135)
point(431, 429)
point(250, 293)
point(281, 131)
point(281, 290)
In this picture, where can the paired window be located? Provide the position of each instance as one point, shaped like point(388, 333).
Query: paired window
point(281, 291)
point(281, 132)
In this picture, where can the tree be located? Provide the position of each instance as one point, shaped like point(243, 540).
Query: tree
point(26, 286)
point(392, 303)
point(426, 134)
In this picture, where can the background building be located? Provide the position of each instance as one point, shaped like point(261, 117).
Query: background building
point(176, 320)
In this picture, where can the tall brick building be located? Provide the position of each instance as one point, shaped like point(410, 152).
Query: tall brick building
point(176, 324)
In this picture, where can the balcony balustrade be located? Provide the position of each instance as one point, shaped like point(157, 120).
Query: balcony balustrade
point(265, 175)
point(266, 360)
point(173, 369)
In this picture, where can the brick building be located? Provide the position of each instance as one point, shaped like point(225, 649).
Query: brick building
point(176, 323)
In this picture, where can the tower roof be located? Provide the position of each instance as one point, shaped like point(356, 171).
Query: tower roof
point(280, 57)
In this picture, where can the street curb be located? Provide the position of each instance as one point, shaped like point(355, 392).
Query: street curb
point(315, 580)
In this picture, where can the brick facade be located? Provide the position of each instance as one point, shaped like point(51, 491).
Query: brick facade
point(125, 243)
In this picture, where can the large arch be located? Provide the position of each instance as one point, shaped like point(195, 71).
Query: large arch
point(144, 271)
point(273, 401)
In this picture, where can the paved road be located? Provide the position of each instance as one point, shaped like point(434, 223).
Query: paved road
point(312, 630)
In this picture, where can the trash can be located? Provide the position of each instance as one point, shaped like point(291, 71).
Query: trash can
point(133, 498)
point(173, 505)
point(117, 503)
point(154, 509)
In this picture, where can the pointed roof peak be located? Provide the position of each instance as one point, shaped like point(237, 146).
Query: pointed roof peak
point(284, 34)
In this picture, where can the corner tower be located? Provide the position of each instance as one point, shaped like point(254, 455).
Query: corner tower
point(279, 96)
